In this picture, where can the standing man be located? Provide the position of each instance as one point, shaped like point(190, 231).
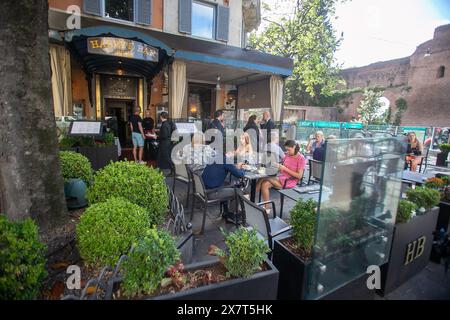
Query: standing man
point(165, 136)
point(218, 123)
point(268, 125)
point(137, 135)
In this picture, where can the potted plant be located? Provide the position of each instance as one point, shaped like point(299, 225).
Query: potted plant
point(77, 173)
point(442, 184)
point(241, 272)
point(412, 237)
point(442, 157)
point(292, 255)
point(99, 151)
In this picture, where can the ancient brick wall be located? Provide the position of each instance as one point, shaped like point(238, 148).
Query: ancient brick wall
point(418, 79)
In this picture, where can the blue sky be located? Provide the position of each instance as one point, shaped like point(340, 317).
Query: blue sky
point(379, 30)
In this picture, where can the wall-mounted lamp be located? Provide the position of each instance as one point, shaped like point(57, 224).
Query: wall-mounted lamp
point(218, 83)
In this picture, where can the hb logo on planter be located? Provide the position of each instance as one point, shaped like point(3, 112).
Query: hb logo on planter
point(414, 250)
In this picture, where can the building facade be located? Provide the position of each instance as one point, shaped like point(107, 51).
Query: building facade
point(187, 57)
point(422, 79)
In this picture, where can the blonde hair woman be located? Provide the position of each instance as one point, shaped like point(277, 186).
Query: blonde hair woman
point(244, 151)
point(415, 150)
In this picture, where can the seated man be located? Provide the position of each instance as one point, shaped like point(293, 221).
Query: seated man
point(214, 176)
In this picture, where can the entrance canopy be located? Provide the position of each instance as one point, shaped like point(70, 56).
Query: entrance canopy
point(109, 49)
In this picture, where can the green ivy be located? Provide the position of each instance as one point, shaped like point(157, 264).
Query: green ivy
point(405, 211)
point(147, 263)
point(75, 166)
point(424, 197)
point(245, 252)
point(139, 184)
point(22, 260)
point(303, 221)
point(108, 229)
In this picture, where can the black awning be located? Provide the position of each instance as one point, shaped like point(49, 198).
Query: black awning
point(77, 42)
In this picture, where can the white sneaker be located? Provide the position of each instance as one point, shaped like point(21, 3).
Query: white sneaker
point(142, 162)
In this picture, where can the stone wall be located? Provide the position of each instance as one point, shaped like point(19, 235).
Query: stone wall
point(414, 78)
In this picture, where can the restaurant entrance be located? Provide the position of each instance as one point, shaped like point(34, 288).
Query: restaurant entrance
point(119, 95)
point(121, 110)
point(202, 101)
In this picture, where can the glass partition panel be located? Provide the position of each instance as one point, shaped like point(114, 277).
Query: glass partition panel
point(360, 191)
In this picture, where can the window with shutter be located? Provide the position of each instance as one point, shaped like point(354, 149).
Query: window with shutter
point(93, 7)
point(185, 16)
point(144, 12)
point(223, 22)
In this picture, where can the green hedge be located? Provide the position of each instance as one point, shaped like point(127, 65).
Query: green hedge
point(138, 184)
point(108, 229)
point(22, 260)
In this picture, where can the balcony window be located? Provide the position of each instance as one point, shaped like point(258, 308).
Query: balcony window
point(120, 9)
point(203, 20)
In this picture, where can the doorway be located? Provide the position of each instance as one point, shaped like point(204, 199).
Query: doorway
point(121, 110)
point(201, 101)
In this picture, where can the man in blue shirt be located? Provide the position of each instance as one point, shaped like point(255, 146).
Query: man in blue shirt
point(214, 176)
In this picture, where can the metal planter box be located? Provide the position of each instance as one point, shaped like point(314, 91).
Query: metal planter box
point(100, 157)
point(260, 286)
point(410, 250)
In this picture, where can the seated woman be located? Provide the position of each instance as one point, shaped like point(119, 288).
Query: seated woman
point(244, 153)
point(198, 154)
point(291, 172)
point(415, 150)
point(318, 142)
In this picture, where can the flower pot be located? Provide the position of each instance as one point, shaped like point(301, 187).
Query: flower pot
point(294, 273)
point(443, 221)
point(441, 158)
point(260, 286)
point(410, 250)
point(75, 192)
point(100, 157)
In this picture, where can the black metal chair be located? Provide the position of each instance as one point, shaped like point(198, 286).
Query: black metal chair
point(423, 162)
point(209, 196)
point(181, 174)
point(315, 171)
point(256, 217)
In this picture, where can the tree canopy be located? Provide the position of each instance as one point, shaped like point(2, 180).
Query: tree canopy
point(305, 34)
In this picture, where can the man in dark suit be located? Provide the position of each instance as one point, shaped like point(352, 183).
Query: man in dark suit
point(218, 123)
point(214, 176)
point(268, 125)
point(165, 142)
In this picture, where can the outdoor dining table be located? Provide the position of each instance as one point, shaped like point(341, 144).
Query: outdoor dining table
point(295, 195)
point(416, 177)
point(254, 176)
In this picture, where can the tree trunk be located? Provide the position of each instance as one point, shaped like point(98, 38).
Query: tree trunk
point(31, 184)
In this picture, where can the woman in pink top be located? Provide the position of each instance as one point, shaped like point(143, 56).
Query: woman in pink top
point(291, 172)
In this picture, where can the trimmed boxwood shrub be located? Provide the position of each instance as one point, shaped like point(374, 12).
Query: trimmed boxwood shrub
point(148, 262)
point(75, 166)
point(303, 221)
point(22, 260)
point(424, 197)
point(405, 211)
point(108, 229)
point(245, 252)
point(138, 184)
